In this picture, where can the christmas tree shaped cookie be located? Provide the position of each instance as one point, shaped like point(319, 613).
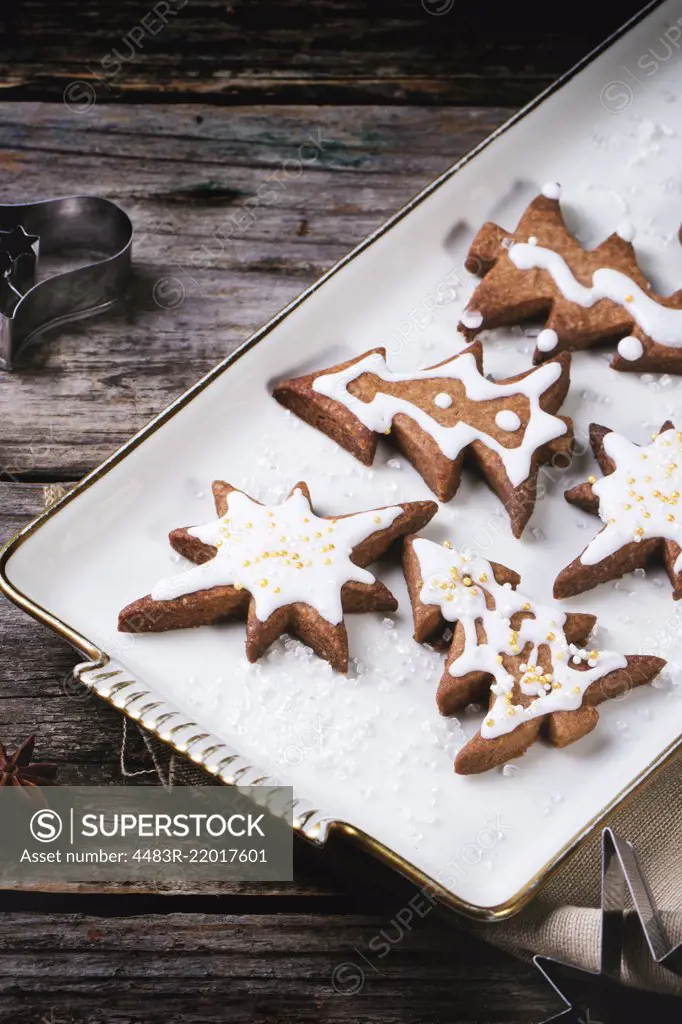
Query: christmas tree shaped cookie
point(638, 501)
point(527, 660)
point(438, 415)
point(586, 296)
point(283, 568)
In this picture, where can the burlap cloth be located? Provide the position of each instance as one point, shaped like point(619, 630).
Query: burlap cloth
point(563, 921)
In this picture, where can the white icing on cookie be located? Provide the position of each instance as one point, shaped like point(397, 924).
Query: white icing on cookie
point(282, 554)
point(442, 400)
point(458, 583)
point(630, 348)
point(641, 498)
point(658, 322)
point(506, 419)
point(378, 414)
point(471, 318)
point(552, 190)
point(547, 340)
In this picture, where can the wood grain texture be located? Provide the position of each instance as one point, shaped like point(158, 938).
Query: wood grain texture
point(285, 51)
point(235, 213)
point(199, 970)
point(237, 208)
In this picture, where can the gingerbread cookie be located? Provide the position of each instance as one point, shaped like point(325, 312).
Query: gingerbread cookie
point(437, 415)
point(588, 296)
point(525, 658)
point(282, 567)
point(638, 500)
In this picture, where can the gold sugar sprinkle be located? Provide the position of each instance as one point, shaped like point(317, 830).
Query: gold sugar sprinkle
point(483, 578)
point(377, 519)
point(551, 637)
point(490, 722)
point(467, 581)
point(593, 480)
point(671, 518)
point(298, 565)
point(238, 586)
point(593, 655)
point(327, 561)
point(276, 590)
point(447, 544)
point(263, 583)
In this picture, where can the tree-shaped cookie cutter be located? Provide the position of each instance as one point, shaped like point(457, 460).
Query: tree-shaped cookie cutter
point(69, 225)
point(621, 874)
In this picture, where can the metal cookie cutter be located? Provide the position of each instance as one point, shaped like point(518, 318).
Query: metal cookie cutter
point(58, 225)
point(621, 874)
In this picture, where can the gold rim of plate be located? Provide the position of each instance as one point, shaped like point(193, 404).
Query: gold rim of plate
point(309, 822)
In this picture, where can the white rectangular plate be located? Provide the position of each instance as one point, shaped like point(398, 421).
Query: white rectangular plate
point(370, 749)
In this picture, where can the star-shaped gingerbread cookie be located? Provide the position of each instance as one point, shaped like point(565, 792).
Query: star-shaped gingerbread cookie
point(283, 568)
point(638, 501)
point(526, 659)
point(438, 415)
point(587, 296)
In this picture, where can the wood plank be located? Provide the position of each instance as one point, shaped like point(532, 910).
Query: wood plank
point(192, 968)
point(187, 176)
point(330, 51)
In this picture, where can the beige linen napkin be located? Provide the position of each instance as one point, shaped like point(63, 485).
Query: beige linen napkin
point(564, 920)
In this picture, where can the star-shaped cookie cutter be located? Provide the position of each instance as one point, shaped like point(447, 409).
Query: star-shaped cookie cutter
point(69, 225)
point(621, 873)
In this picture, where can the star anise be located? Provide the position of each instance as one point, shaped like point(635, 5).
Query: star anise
point(18, 770)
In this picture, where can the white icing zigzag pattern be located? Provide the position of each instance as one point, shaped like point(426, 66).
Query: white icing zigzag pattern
point(378, 414)
point(459, 582)
point(660, 323)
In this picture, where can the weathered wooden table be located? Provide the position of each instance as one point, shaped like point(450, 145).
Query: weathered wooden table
point(181, 113)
